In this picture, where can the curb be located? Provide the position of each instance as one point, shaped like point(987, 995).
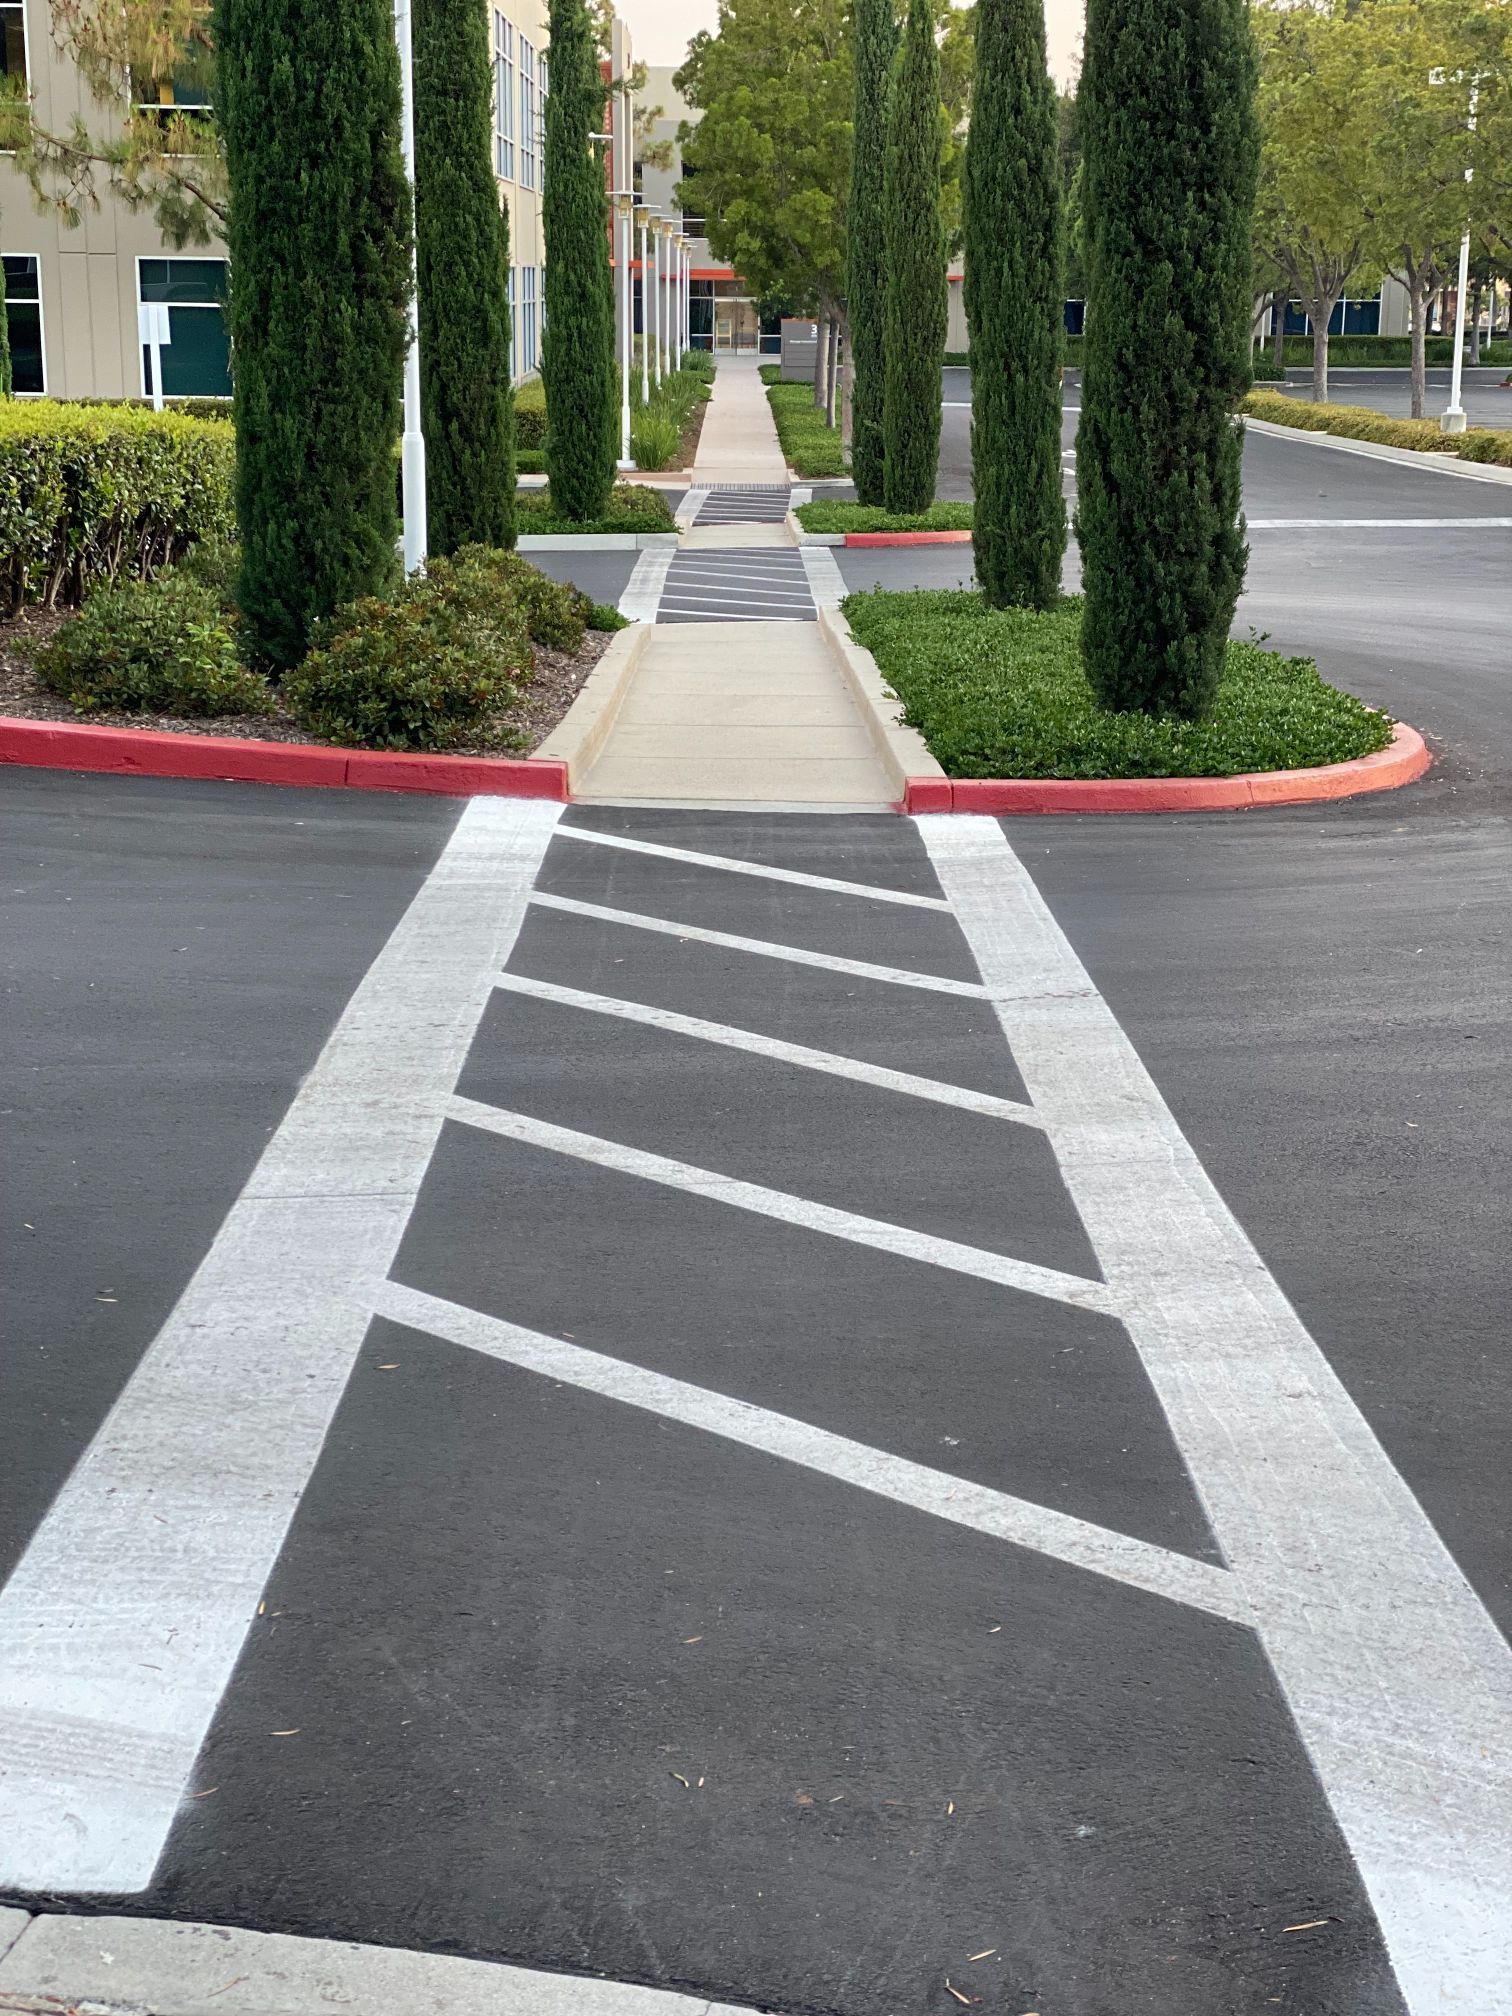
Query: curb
point(902, 751)
point(593, 542)
point(1401, 763)
point(907, 538)
point(579, 737)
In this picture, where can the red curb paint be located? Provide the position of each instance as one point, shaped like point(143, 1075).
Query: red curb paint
point(147, 752)
point(1405, 759)
point(908, 538)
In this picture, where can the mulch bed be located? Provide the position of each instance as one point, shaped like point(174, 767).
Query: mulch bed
point(554, 685)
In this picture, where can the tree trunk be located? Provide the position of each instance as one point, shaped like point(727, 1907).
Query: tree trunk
point(847, 385)
point(1320, 309)
point(821, 361)
point(832, 371)
point(1278, 330)
point(1475, 315)
point(1419, 297)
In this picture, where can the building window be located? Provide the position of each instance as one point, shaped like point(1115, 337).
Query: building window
point(514, 322)
point(23, 322)
point(529, 350)
point(527, 114)
point(541, 120)
point(197, 358)
point(504, 97)
point(13, 41)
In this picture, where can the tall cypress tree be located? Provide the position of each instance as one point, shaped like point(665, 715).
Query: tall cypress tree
point(1014, 309)
point(915, 280)
point(577, 352)
point(866, 248)
point(462, 259)
point(319, 237)
point(1170, 154)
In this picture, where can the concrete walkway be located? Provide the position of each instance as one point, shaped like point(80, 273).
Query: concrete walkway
point(739, 443)
point(741, 710)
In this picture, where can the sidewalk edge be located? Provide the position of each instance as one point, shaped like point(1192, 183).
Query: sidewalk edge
point(905, 757)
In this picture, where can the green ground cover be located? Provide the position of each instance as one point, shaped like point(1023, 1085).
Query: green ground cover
point(633, 507)
point(812, 449)
point(830, 515)
point(1002, 693)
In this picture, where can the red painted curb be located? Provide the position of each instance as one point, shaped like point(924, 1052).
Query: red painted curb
point(149, 752)
point(908, 538)
point(1406, 758)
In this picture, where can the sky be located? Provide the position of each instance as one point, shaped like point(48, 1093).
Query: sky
point(659, 29)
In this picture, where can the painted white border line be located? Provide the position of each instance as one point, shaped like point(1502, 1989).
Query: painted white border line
point(178, 1968)
point(901, 1240)
point(1399, 1681)
point(1100, 1550)
point(124, 1618)
point(643, 591)
point(895, 976)
point(1379, 524)
point(798, 1054)
point(826, 582)
point(597, 837)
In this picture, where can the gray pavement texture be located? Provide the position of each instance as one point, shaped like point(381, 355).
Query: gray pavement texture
point(1486, 400)
point(581, 1687)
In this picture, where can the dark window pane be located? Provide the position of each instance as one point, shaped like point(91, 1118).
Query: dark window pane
point(20, 277)
point(23, 321)
point(189, 281)
point(12, 43)
point(197, 361)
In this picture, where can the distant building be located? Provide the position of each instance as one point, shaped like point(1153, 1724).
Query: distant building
point(723, 311)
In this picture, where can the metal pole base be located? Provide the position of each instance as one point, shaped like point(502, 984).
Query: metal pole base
point(1452, 420)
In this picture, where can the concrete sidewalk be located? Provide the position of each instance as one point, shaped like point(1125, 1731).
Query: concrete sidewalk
point(739, 442)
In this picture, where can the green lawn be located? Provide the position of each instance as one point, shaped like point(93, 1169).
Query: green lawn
point(827, 516)
point(1001, 693)
point(633, 507)
point(812, 449)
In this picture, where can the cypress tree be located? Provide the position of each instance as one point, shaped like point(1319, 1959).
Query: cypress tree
point(462, 260)
point(1169, 133)
point(915, 279)
point(577, 352)
point(1014, 309)
point(866, 250)
point(319, 238)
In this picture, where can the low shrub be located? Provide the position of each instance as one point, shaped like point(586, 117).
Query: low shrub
point(1002, 693)
point(164, 646)
point(833, 515)
point(1485, 444)
point(633, 507)
point(655, 437)
point(700, 363)
point(91, 494)
point(1363, 423)
point(481, 579)
point(192, 407)
point(429, 669)
point(811, 447)
point(530, 416)
point(604, 616)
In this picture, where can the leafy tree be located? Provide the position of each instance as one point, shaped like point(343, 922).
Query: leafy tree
point(876, 42)
point(577, 352)
point(319, 239)
point(462, 260)
point(916, 301)
point(1014, 310)
point(1167, 95)
point(156, 147)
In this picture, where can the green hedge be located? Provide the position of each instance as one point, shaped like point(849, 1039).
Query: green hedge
point(530, 415)
point(1363, 423)
point(91, 494)
point(811, 447)
point(1388, 350)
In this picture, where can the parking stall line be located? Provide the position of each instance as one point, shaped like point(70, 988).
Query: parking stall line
point(1099, 1550)
point(771, 1047)
point(1398, 1680)
point(124, 1618)
point(623, 1159)
point(861, 969)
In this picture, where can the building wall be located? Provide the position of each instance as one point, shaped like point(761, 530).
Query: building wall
point(518, 38)
point(90, 278)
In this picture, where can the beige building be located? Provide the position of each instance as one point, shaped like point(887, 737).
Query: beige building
point(73, 292)
point(723, 312)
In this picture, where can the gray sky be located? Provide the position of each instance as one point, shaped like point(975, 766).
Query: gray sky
point(659, 29)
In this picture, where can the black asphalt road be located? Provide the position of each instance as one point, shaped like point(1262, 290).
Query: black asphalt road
point(1487, 402)
point(514, 1618)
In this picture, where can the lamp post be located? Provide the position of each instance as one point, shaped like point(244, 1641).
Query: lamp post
point(624, 209)
point(643, 220)
point(664, 322)
point(1452, 419)
point(412, 451)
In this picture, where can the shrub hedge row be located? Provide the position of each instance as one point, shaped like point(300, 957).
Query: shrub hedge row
point(1362, 423)
point(91, 494)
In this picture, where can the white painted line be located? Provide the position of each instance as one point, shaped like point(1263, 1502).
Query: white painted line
point(1380, 524)
point(897, 976)
point(706, 613)
point(1400, 1683)
point(826, 582)
point(1098, 1549)
point(122, 1622)
point(762, 869)
point(799, 1054)
point(691, 505)
point(901, 1240)
point(643, 590)
point(703, 594)
point(183, 1968)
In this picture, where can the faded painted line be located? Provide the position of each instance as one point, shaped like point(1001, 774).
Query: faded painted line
point(829, 962)
point(597, 837)
point(643, 590)
point(826, 582)
point(902, 1241)
point(1098, 1549)
point(1399, 1682)
point(121, 1624)
point(797, 1054)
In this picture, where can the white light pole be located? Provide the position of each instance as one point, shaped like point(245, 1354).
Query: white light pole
point(1452, 419)
point(412, 454)
point(643, 219)
point(624, 206)
point(664, 233)
point(656, 300)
